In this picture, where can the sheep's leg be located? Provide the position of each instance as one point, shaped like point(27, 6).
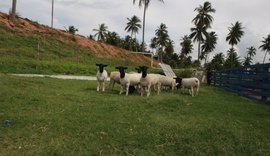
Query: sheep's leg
point(197, 90)
point(127, 87)
point(121, 90)
point(98, 86)
point(148, 90)
point(158, 88)
point(192, 92)
point(103, 86)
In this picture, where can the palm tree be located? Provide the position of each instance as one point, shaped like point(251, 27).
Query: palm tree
point(101, 32)
point(235, 34)
point(265, 46)
point(209, 45)
point(186, 45)
point(133, 26)
point(13, 10)
point(232, 59)
point(217, 61)
point(251, 51)
point(162, 38)
point(203, 17)
point(198, 34)
point(202, 21)
point(145, 4)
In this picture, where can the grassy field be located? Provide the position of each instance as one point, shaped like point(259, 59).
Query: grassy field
point(43, 116)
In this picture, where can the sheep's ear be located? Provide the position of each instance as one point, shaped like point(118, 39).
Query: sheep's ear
point(97, 64)
point(125, 67)
point(116, 67)
point(105, 65)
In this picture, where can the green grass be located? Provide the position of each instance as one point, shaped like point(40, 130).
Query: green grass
point(43, 116)
point(19, 54)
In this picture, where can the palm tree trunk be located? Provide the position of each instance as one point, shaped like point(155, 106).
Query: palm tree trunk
point(52, 13)
point(199, 52)
point(13, 12)
point(231, 58)
point(144, 11)
point(264, 56)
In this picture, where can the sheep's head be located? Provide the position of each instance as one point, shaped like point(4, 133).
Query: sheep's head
point(121, 70)
point(101, 67)
point(178, 82)
point(144, 71)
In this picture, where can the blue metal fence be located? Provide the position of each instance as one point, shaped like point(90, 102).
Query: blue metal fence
point(250, 81)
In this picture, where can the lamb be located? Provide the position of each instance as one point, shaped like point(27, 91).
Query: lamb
point(167, 81)
point(127, 80)
point(101, 76)
point(114, 78)
point(190, 83)
point(148, 80)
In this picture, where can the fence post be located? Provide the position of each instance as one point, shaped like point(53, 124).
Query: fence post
point(264, 81)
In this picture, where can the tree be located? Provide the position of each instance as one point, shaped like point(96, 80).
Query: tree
point(113, 38)
point(232, 60)
point(186, 48)
point(202, 22)
point(209, 45)
point(234, 36)
point(13, 10)
point(72, 29)
point(203, 18)
point(52, 13)
point(162, 39)
point(265, 46)
point(101, 32)
point(133, 26)
point(198, 34)
point(251, 51)
point(145, 4)
point(217, 62)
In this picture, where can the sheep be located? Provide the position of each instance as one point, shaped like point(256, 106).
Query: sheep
point(114, 78)
point(127, 79)
point(190, 83)
point(167, 81)
point(148, 80)
point(101, 76)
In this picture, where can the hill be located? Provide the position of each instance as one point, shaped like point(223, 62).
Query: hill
point(28, 47)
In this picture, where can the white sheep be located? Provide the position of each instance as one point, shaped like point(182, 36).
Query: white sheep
point(101, 76)
point(148, 80)
point(166, 81)
point(114, 78)
point(190, 83)
point(127, 80)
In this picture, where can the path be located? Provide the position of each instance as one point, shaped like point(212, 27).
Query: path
point(66, 77)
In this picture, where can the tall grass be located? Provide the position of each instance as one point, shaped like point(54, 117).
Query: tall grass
point(43, 116)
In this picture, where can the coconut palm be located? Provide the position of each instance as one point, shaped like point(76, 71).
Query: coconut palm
point(52, 13)
point(234, 36)
point(101, 32)
point(202, 21)
point(233, 59)
point(209, 45)
point(145, 4)
point(186, 45)
point(162, 38)
point(217, 61)
point(203, 18)
point(198, 34)
point(265, 46)
point(133, 26)
point(251, 51)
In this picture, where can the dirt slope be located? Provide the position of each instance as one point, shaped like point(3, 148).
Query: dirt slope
point(101, 50)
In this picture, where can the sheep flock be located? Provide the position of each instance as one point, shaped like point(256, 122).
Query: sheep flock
point(143, 82)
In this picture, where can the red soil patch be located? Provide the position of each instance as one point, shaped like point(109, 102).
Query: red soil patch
point(101, 50)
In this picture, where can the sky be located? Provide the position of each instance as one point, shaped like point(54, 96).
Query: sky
point(86, 15)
